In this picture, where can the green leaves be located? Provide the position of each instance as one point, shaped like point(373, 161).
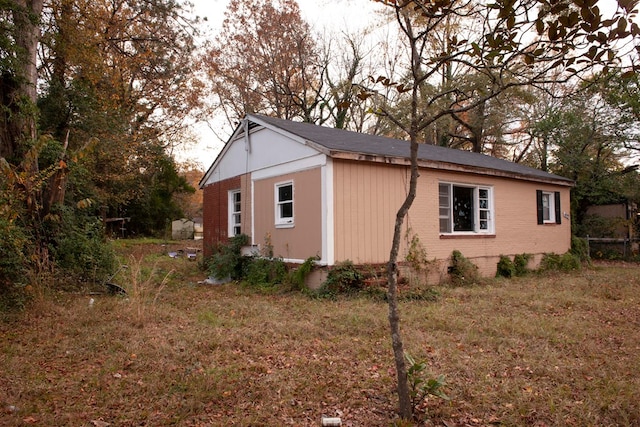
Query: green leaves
point(420, 385)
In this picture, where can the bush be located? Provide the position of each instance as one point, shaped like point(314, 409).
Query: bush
point(506, 267)
point(462, 271)
point(598, 226)
point(227, 261)
point(13, 266)
point(550, 262)
point(580, 248)
point(343, 278)
point(520, 262)
point(517, 267)
point(13, 261)
point(555, 262)
point(569, 261)
point(79, 247)
point(265, 271)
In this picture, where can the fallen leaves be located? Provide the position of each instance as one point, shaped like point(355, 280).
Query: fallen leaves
point(301, 358)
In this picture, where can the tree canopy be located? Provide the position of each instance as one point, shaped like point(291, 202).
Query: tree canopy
point(87, 133)
point(265, 60)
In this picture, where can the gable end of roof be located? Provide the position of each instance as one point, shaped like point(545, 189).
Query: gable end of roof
point(343, 144)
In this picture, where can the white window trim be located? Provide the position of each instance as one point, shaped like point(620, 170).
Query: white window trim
point(552, 207)
point(279, 221)
point(231, 204)
point(476, 210)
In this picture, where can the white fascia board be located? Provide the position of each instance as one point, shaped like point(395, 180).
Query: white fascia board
point(269, 148)
point(299, 165)
point(328, 240)
point(234, 136)
point(276, 129)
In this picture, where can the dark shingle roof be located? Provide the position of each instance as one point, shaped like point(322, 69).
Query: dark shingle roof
point(338, 140)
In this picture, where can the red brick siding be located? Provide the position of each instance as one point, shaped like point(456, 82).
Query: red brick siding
point(215, 212)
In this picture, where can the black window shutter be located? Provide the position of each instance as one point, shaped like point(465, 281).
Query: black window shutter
point(539, 205)
point(557, 206)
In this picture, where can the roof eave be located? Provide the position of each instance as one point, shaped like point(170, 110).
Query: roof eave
point(451, 167)
point(236, 132)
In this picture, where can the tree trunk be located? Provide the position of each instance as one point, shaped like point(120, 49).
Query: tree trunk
point(18, 89)
point(10, 128)
point(405, 409)
point(26, 19)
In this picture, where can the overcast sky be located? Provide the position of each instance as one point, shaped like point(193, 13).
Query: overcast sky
point(319, 13)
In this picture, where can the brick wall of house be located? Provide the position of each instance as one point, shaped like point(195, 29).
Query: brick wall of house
point(215, 213)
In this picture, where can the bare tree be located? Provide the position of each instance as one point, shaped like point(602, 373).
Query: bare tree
point(266, 61)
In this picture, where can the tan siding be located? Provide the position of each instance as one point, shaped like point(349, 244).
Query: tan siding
point(374, 192)
point(516, 228)
point(366, 199)
point(304, 240)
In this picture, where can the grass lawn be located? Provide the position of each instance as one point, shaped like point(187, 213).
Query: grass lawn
point(549, 350)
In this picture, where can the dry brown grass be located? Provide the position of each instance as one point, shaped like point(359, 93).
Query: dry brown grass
point(543, 350)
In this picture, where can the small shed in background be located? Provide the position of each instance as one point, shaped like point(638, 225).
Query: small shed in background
point(182, 229)
point(613, 229)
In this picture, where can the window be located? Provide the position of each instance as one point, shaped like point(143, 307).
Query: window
point(548, 207)
point(465, 209)
point(284, 204)
point(235, 210)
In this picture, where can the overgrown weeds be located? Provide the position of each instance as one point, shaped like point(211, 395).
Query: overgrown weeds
point(541, 350)
point(422, 384)
point(417, 257)
point(343, 278)
point(227, 261)
point(264, 272)
point(565, 262)
point(258, 270)
point(462, 271)
point(143, 287)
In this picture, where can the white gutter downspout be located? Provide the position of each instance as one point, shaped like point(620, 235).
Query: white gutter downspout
point(328, 224)
point(247, 148)
point(247, 141)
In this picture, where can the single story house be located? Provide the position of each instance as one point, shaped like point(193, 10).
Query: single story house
point(306, 190)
